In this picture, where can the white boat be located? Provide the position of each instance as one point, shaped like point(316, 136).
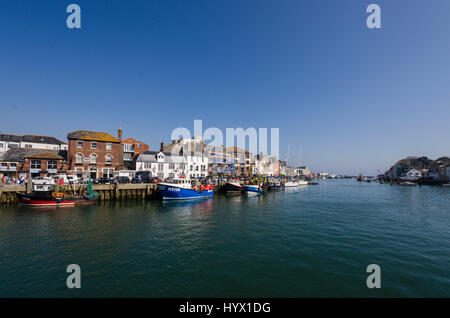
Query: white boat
point(43, 184)
point(291, 184)
point(408, 183)
point(302, 182)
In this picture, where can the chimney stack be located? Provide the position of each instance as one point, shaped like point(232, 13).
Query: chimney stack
point(162, 146)
point(119, 133)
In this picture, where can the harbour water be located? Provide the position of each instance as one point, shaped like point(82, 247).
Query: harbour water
point(314, 241)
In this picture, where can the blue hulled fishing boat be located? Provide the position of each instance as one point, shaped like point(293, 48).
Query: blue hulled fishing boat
point(252, 189)
point(181, 189)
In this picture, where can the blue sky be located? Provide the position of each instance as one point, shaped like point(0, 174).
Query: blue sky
point(355, 100)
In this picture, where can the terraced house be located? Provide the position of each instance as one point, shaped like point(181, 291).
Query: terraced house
point(94, 154)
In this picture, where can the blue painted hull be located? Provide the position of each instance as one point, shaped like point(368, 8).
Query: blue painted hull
point(170, 192)
point(252, 190)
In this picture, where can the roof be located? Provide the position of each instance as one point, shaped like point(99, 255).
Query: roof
point(92, 135)
point(130, 140)
point(19, 154)
point(236, 150)
point(194, 147)
point(150, 156)
point(31, 138)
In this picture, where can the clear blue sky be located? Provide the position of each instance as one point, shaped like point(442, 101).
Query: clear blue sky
point(355, 100)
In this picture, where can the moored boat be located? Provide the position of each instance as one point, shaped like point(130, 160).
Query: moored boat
point(232, 186)
point(44, 198)
point(251, 189)
point(291, 184)
point(181, 189)
point(408, 183)
point(47, 196)
point(276, 186)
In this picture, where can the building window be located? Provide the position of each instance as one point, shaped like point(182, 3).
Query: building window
point(93, 158)
point(79, 172)
point(139, 145)
point(109, 146)
point(1, 145)
point(196, 168)
point(79, 144)
point(203, 168)
point(108, 160)
point(93, 145)
point(35, 164)
point(161, 167)
point(12, 165)
point(171, 166)
point(192, 168)
point(108, 173)
point(27, 146)
point(4, 165)
point(79, 158)
point(52, 165)
point(181, 166)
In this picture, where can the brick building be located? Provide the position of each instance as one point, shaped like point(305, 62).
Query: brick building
point(94, 154)
point(22, 162)
point(132, 148)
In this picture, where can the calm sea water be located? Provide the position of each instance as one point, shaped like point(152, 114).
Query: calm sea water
point(308, 242)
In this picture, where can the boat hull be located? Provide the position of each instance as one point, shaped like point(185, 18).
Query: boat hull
point(232, 188)
point(41, 200)
point(171, 192)
point(252, 190)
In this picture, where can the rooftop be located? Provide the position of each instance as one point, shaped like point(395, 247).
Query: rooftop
point(92, 135)
point(19, 154)
point(31, 138)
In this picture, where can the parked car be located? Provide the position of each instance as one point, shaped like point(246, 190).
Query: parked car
point(122, 179)
point(142, 177)
point(104, 180)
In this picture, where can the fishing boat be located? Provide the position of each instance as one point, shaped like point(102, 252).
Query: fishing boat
point(276, 186)
point(251, 189)
point(44, 198)
point(47, 196)
point(181, 189)
point(233, 186)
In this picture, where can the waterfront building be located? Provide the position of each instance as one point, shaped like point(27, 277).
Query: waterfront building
point(94, 154)
point(219, 162)
point(303, 171)
point(193, 150)
point(131, 149)
point(8, 141)
point(411, 175)
point(175, 163)
point(162, 164)
point(28, 162)
point(242, 160)
point(264, 165)
point(444, 173)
